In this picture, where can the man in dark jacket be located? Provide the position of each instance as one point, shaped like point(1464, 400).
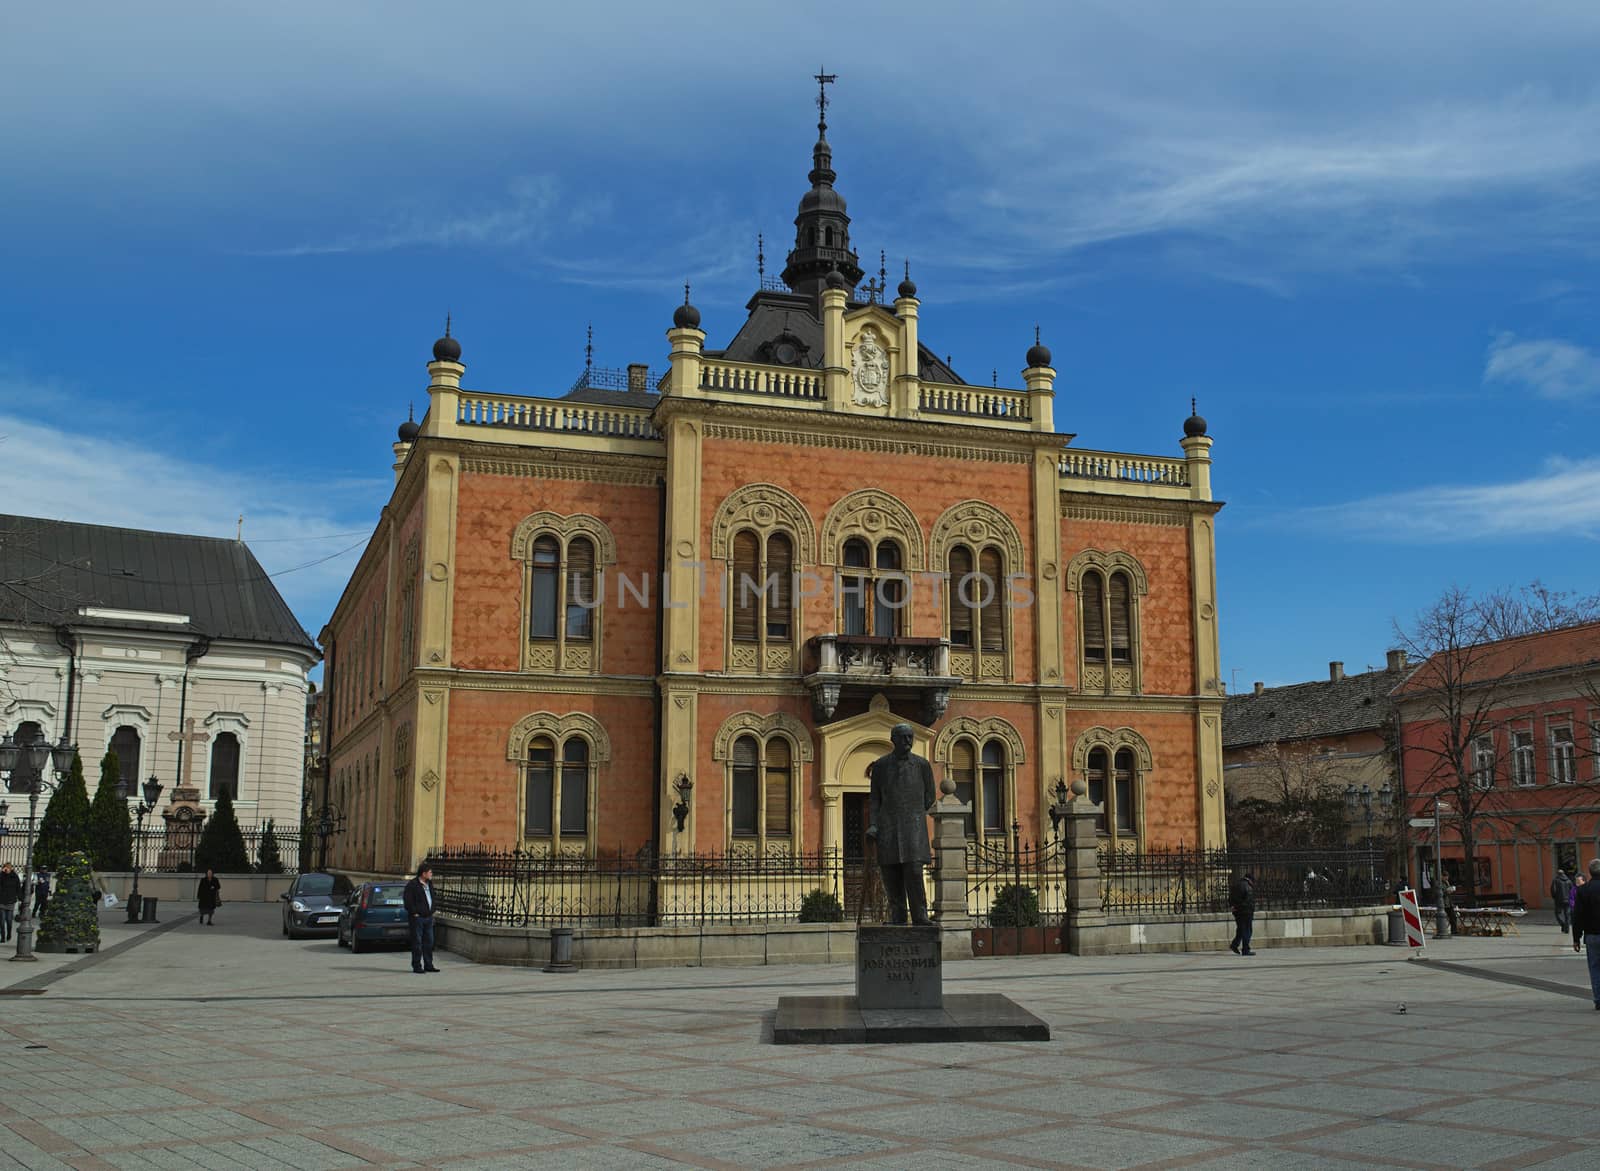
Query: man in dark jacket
point(419, 913)
point(1561, 896)
point(902, 793)
point(1242, 898)
point(1586, 925)
point(10, 896)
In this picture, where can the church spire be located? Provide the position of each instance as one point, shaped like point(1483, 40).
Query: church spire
point(822, 229)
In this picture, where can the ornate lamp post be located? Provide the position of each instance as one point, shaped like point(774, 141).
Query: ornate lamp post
point(1061, 806)
point(1361, 799)
point(680, 811)
point(329, 822)
point(31, 760)
point(152, 794)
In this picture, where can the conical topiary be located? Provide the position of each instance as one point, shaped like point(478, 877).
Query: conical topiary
point(70, 922)
point(64, 827)
point(221, 845)
point(110, 827)
point(268, 859)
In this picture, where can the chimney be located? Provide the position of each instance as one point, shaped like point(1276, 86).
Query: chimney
point(1397, 660)
point(638, 377)
point(1260, 687)
point(1335, 671)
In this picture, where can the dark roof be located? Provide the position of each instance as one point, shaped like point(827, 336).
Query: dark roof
point(602, 397)
point(1306, 711)
point(773, 314)
point(50, 569)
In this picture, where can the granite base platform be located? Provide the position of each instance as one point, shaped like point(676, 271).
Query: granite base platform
point(840, 1020)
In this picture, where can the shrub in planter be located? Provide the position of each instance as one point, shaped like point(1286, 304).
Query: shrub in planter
point(820, 906)
point(69, 919)
point(1015, 906)
point(64, 828)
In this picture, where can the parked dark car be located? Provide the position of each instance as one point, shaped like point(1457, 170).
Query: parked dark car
point(312, 905)
point(375, 912)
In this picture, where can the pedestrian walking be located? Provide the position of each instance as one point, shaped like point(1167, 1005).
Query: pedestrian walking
point(209, 895)
point(418, 901)
point(41, 891)
point(1579, 881)
point(10, 896)
point(1561, 897)
point(1586, 926)
point(1242, 899)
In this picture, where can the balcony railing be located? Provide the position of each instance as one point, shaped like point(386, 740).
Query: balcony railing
point(876, 662)
point(1123, 468)
point(776, 381)
point(975, 402)
point(534, 414)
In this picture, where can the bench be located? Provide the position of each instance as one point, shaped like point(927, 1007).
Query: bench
point(1487, 920)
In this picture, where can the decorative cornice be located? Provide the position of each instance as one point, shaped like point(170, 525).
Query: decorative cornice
point(530, 681)
point(1133, 510)
point(791, 437)
point(733, 685)
point(965, 727)
point(588, 466)
point(762, 727)
point(558, 728)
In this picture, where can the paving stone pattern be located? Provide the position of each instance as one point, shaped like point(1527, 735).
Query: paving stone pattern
point(230, 1047)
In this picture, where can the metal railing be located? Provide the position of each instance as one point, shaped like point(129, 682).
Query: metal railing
point(157, 852)
point(626, 889)
point(1000, 863)
point(1185, 881)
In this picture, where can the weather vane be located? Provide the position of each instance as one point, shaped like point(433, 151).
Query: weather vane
point(824, 80)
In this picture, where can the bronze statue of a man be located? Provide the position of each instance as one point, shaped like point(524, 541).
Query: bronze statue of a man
point(902, 793)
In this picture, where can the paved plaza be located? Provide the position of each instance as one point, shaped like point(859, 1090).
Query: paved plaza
point(228, 1046)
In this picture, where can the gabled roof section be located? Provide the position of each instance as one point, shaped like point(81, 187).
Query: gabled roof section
point(52, 571)
point(1308, 711)
point(1527, 654)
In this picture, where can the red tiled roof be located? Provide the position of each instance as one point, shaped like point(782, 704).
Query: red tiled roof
point(1527, 654)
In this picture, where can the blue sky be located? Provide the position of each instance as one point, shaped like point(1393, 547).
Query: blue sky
point(1363, 235)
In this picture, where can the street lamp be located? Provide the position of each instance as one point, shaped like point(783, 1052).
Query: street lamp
point(30, 760)
point(329, 821)
point(1361, 799)
point(152, 794)
point(1062, 805)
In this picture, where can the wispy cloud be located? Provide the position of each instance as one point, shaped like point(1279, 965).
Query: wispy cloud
point(1547, 366)
point(1562, 500)
point(292, 524)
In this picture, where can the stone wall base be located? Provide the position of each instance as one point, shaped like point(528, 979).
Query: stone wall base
point(742, 945)
point(171, 887)
point(1169, 933)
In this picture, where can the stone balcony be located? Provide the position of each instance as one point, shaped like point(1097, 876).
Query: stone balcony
point(846, 665)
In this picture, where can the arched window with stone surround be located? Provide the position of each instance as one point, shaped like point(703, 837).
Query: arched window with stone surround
point(224, 766)
point(557, 759)
point(1114, 764)
point(982, 758)
point(564, 560)
point(979, 547)
point(763, 535)
point(125, 742)
point(761, 757)
point(873, 588)
point(1108, 587)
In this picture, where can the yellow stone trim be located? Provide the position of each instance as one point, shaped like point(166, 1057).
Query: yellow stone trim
point(763, 727)
point(564, 528)
point(528, 681)
point(1108, 562)
point(591, 467)
point(1111, 740)
point(967, 728)
point(558, 728)
point(872, 513)
point(765, 508)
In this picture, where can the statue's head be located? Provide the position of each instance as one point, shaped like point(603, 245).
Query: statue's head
point(902, 736)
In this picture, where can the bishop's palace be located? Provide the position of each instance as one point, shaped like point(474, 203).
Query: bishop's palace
point(684, 612)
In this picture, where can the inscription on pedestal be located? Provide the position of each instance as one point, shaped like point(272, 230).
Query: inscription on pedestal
point(898, 967)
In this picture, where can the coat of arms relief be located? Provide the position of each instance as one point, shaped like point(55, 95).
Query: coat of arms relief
point(871, 370)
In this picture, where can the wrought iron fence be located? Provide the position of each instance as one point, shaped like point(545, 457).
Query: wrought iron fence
point(155, 853)
point(1036, 870)
point(1186, 881)
point(626, 889)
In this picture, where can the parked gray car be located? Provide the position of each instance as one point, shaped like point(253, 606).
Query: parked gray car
point(312, 905)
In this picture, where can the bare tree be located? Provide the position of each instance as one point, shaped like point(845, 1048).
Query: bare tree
point(1461, 687)
point(1299, 800)
point(1532, 608)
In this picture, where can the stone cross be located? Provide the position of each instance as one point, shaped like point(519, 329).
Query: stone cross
point(193, 738)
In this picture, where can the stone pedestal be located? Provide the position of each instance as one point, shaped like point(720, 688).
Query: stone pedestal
point(1082, 868)
point(899, 967)
point(184, 817)
point(949, 901)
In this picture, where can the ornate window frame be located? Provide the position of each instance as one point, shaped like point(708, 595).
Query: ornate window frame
point(554, 656)
point(1113, 739)
point(237, 724)
point(1110, 678)
point(977, 525)
point(559, 729)
point(978, 733)
point(765, 728)
point(763, 509)
point(873, 515)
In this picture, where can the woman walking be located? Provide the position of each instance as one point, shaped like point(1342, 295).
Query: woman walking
point(208, 896)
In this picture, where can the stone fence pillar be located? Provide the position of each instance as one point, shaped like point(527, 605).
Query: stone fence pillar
point(1082, 867)
point(949, 902)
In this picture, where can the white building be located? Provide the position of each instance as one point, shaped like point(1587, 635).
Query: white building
point(119, 639)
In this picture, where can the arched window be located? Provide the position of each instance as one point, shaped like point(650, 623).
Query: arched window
point(747, 595)
point(872, 588)
point(980, 774)
point(225, 766)
point(1112, 775)
point(1109, 586)
point(563, 587)
point(580, 597)
point(22, 777)
point(761, 789)
point(544, 588)
point(125, 743)
point(976, 590)
point(556, 784)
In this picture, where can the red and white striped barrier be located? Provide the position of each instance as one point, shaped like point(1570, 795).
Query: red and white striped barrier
point(1413, 918)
